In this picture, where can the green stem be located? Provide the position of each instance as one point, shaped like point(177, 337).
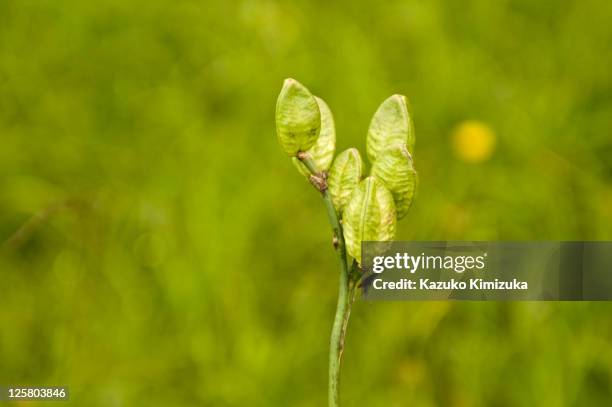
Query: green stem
point(346, 290)
point(343, 311)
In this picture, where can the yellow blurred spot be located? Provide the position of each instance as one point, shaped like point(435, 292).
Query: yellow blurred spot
point(473, 141)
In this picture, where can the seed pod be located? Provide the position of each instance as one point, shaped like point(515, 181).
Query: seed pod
point(344, 175)
point(322, 153)
point(369, 216)
point(298, 119)
point(395, 169)
point(391, 124)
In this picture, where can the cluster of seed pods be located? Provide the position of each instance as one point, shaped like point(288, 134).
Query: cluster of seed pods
point(368, 206)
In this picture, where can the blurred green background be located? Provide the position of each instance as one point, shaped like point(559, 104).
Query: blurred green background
point(158, 248)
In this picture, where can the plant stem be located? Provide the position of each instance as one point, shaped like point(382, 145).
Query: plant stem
point(346, 290)
point(343, 311)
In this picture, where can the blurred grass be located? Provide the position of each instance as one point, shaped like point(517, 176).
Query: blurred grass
point(161, 250)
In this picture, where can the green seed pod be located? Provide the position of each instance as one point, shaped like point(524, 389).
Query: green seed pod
point(298, 119)
point(369, 215)
point(322, 153)
point(344, 176)
point(391, 124)
point(394, 168)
